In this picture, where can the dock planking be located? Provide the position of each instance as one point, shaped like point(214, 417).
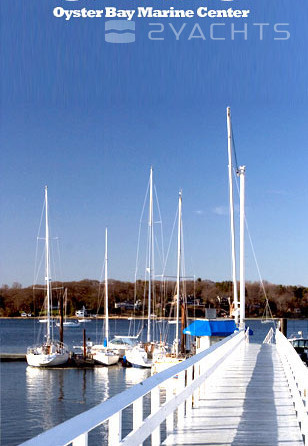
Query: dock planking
point(247, 402)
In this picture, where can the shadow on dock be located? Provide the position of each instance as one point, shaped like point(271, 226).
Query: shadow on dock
point(258, 424)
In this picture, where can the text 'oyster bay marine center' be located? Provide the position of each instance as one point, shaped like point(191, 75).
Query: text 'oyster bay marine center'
point(143, 12)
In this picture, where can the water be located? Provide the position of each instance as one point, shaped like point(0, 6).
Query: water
point(34, 400)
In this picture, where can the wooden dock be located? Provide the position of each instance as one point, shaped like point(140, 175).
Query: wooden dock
point(246, 403)
point(12, 357)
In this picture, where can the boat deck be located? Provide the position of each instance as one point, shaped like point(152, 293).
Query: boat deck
point(247, 403)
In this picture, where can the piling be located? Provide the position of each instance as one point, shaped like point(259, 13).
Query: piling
point(84, 344)
point(284, 326)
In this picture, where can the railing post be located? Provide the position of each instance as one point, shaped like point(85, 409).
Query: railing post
point(181, 407)
point(155, 403)
point(137, 413)
point(82, 440)
point(115, 429)
point(169, 396)
point(196, 394)
point(189, 399)
point(202, 371)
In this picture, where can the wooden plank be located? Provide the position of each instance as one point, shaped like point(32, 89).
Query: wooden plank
point(247, 402)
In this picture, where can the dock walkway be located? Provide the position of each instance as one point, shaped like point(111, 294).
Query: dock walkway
point(246, 403)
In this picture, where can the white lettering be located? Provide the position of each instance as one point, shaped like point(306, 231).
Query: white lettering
point(261, 25)
point(287, 33)
point(58, 11)
point(196, 36)
point(160, 30)
point(238, 31)
point(177, 34)
point(212, 31)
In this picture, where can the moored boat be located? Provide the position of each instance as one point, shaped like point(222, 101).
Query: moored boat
point(103, 354)
point(51, 352)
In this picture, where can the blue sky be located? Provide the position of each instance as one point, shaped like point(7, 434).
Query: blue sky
point(89, 118)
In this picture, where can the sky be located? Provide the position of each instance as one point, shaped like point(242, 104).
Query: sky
point(89, 118)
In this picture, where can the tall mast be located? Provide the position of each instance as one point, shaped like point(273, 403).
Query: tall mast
point(235, 297)
point(47, 265)
point(106, 289)
point(241, 173)
point(178, 275)
point(150, 254)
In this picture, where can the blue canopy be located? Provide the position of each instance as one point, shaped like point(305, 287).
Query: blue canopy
point(210, 328)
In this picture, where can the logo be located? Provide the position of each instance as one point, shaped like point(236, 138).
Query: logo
point(120, 31)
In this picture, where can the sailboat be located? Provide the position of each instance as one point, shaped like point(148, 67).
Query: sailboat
point(51, 352)
point(66, 323)
point(164, 359)
point(141, 355)
point(103, 354)
point(267, 317)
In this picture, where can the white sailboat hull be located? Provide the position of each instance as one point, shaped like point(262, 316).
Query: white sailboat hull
point(69, 324)
point(138, 357)
point(106, 357)
point(47, 355)
point(52, 360)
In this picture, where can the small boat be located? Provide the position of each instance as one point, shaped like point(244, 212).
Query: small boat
point(103, 354)
point(145, 355)
point(66, 323)
point(123, 343)
point(300, 344)
point(267, 317)
point(74, 324)
point(51, 352)
point(45, 320)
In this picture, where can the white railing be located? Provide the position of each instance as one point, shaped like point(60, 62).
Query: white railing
point(269, 338)
point(297, 375)
point(181, 395)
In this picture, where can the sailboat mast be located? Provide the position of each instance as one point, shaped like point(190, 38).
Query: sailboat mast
point(178, 275)
point(150, 255)
point(241, 173)
point(235, 296)
point(47, 265)
point(106, 289)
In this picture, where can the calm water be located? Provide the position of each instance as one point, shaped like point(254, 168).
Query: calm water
point(34, 400)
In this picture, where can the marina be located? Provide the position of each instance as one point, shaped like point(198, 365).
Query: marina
point(236, 392)
point(71, 391)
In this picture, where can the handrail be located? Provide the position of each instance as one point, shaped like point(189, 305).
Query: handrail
point(189, 386)
point(297, 375)
point(269, 338)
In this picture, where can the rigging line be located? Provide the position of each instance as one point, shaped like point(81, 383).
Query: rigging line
point(59, 261)
point(251, 244)
point(159, 252)
point(233, 147)
point(100, 294)
point(171, 237)
point(39, 266)
point(161, 225)
point(37, 239)
point(139, 234)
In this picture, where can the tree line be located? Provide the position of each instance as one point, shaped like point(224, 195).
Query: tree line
point(127, 297)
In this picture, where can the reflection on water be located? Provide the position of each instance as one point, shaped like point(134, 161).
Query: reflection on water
point(52, 396)
point(134, 376)
point(37, 399)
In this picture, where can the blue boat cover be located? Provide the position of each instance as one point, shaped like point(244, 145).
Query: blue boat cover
point(210, 328)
